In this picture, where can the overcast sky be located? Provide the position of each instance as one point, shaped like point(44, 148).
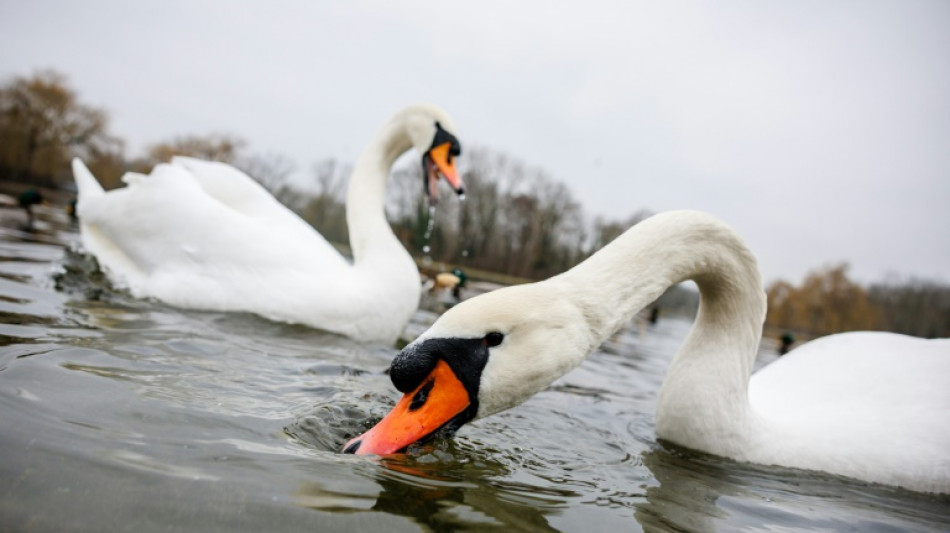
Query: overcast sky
point(819, 129)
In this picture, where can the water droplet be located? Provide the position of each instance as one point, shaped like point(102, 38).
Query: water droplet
point(462, 197)
point(426, 249)
point(430, 224)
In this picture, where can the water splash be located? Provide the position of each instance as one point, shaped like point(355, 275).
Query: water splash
point(430, 224)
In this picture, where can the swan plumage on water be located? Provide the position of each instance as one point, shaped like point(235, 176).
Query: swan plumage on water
point(867, 405)
point(204, 235)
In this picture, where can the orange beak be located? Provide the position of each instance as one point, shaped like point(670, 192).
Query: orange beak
point(442, 164)
point(439, 398)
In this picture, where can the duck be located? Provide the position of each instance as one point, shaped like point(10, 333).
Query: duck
point(203, 235)
point(18, 212)
point(865, 405)
point(442, 281)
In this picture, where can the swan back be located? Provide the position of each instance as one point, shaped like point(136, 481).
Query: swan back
point(870, 405)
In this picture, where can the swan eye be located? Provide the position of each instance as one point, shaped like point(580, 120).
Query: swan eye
point(494, 338)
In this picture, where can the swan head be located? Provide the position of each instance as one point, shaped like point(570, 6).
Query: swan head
point(432, 133)
point(483, 356)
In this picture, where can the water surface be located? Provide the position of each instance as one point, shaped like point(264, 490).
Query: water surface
point(119, 414)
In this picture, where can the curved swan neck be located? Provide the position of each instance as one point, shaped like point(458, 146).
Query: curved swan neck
point(365, 197)
point(636, 268)
point(712, 368)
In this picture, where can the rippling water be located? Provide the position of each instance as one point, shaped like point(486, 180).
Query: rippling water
point(125, 415)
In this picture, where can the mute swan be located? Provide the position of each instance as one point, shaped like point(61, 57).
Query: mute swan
point(872, 406)
point(204, 235)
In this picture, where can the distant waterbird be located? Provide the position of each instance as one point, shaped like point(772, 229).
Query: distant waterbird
point(19, 213)
point(868, 405)
point(204, 235)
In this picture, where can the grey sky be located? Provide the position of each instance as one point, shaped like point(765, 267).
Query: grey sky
point(819, 130)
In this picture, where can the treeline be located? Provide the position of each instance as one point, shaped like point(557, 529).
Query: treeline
point(43, 125)
point(515, 219)
point(827, 301)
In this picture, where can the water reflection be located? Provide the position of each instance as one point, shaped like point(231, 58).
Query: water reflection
point(698, 492)
point(445, 492)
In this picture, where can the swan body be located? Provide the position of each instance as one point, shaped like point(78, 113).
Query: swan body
point(869, 405)
point(204, 235)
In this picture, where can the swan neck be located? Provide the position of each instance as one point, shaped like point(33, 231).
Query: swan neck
point(366, 195)
point(634, 270)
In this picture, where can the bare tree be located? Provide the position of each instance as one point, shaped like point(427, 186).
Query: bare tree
point(271, 170)
point(326, 208)
point(913, 306)
point(605, 230)
point(514, 219)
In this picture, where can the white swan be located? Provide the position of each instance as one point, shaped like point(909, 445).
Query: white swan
point(204, 235)
point(872, 406)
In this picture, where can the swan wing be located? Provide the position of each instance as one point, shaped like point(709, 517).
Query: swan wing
point(862, 373)
point(240, 193)
point(868, 402)
point(175, 226)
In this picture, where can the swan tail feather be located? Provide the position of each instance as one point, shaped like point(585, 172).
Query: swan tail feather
point(86, 183)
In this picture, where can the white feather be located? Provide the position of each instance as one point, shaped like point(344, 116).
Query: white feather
point(871, 406)
point(204, 235)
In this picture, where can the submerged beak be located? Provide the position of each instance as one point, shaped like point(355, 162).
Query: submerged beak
point(433, 404)
point(439, 161)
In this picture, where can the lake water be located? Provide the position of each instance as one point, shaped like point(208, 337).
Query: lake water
point(124, 415)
